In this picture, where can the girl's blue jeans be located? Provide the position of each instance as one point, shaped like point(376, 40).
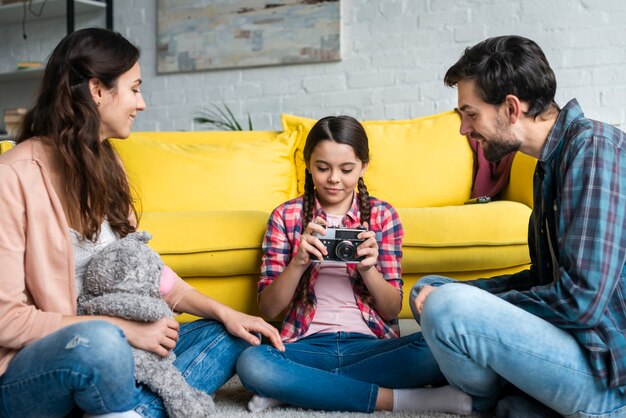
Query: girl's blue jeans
point(338, 371)
point(90, 366)
point(481, 342)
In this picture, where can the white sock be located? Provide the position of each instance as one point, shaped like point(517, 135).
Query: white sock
point(259, 403)
point(441, 399)
point(125, 414)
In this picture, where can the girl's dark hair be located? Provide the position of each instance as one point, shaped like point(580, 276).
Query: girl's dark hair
point(507, 65)
point(66, 116)
point(342, 130)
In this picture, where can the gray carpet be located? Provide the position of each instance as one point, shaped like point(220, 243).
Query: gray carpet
point(232, 398)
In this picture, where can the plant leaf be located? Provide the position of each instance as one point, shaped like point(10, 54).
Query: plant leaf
point(220, 117)
point(232, 117)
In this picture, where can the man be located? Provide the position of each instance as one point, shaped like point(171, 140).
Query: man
point(558, 330)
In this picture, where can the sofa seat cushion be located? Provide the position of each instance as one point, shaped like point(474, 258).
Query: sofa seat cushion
point(465, 237)
point(451, 238)
point(172, 172)
point(426, 155)
point(209, 243)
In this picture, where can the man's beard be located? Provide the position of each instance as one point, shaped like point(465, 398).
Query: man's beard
point(495, 151)
point(505, 143)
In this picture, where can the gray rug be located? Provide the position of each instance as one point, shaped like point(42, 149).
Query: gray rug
point(232, 398)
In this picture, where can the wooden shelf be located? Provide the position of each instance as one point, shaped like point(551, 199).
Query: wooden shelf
point(13, 13)
point(28, 74)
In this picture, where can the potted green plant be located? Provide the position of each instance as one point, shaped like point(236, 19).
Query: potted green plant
point(222, 118)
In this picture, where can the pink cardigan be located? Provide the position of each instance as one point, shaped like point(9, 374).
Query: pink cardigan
point(37, 283)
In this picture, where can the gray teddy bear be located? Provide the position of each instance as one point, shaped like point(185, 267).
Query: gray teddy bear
point(123, 280)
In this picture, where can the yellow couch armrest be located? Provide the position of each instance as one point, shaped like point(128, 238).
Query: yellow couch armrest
point(6, 145)
point(520, 187)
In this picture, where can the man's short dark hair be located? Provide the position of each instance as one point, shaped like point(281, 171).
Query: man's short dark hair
point(507, 65)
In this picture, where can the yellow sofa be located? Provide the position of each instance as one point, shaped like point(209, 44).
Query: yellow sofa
point(206, 197)
point(5, 145)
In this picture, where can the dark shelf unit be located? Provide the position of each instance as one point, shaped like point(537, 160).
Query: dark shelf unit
point(71, 15)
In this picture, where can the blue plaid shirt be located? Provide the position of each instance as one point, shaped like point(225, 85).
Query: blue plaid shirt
point(577, 241)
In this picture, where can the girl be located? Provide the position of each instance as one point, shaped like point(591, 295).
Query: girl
point(63, 194)
point(342, 350)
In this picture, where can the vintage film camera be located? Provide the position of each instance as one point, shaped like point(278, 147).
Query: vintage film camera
point(341, 244)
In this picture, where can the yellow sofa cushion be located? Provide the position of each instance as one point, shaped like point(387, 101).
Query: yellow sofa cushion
point(520, 188)
point(422, 162)
point(209, 243)
point(451, 238)
point(5, 146)
point(465, 238)
point(178, 172)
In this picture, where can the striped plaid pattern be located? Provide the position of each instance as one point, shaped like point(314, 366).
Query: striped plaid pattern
point(577, 241)
point(281, 243)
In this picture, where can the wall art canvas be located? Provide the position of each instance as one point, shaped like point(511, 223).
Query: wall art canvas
point(196, 35)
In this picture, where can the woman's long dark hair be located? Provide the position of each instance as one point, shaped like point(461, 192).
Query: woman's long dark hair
point(66, 116)
point(342, 130)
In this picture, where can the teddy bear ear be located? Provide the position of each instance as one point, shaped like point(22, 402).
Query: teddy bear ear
point(141, 236)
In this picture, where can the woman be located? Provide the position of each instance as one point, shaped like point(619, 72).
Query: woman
point(63, 195)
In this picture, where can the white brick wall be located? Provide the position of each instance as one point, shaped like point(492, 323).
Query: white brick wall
point(395, 53)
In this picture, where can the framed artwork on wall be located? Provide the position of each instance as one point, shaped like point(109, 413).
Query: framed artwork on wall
point(195, 35)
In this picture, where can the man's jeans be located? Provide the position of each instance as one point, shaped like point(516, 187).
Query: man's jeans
point(338, 371)
point(89, 365)
point(482, 341)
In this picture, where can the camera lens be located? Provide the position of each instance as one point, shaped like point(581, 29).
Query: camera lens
point(345, 251)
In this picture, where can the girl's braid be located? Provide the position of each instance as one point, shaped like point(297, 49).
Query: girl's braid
point(364, 202)
point(308, 199)
point(365, 210)
point(308, 204)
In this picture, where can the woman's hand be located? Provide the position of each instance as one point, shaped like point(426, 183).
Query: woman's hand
point(245, 326)
point(368, 249)
point(421, 297)
point(237, 323)
point(158, 337)
point(310, 245)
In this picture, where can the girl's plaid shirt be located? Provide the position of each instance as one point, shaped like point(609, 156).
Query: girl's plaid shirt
point(281, 243)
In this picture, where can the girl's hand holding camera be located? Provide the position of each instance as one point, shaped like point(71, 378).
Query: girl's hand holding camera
point(368, 250)
point(311, 248)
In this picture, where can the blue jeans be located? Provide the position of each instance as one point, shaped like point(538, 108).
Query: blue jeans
point(90, 366)
point(481, 342)
point(206, 355)
point(338, 371)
